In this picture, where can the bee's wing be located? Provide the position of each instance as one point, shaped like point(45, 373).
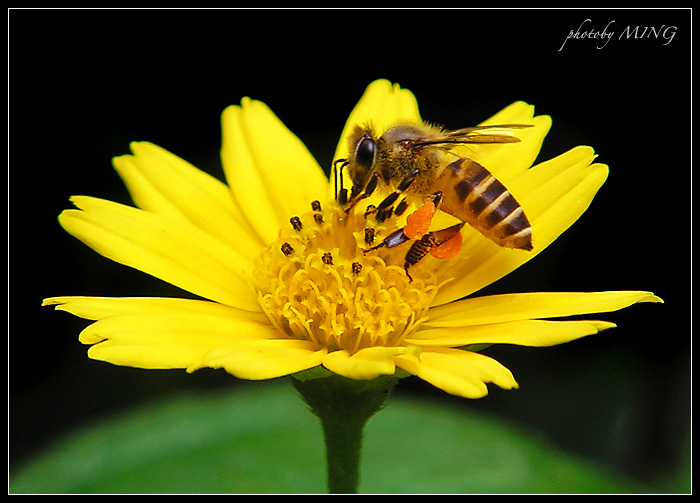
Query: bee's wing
point(486, 127)
point(491, 133)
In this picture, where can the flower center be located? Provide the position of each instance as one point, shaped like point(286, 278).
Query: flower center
point(320, 282)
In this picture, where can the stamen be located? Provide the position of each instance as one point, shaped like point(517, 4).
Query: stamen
point(296, 223)
point(369, 235)
point(327, 258)
point(287, 249)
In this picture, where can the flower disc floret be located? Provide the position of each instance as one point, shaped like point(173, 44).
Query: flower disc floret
point(317, 282)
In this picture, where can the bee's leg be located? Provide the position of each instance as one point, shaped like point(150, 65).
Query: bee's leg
point(417, 224)
point(357, 195)
point(396, 238)
point(441, 244)
point(444, 243)
point(385, 208)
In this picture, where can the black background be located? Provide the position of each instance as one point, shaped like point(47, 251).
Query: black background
point(84, 83)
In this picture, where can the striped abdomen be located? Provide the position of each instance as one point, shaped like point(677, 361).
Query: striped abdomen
point(471, 193)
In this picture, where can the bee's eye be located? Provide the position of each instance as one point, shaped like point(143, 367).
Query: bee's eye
point(364, 153)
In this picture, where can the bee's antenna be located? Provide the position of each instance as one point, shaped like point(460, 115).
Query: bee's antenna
point(338, 172)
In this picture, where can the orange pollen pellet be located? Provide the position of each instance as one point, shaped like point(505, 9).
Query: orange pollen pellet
point(418, 222)
point(449, 248)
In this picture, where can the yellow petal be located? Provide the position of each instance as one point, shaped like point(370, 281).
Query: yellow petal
point(528, 306)
point(97, 308)
point(174, 327)
point(365, 364)
point(382, 106)
point(146, 357)
point(522, 333)
point(176, 252)
point(163, 183)
point(457, 372)
point(553, 194)
point(263, 359)
point(166, 340)
point(271, 173)
point(508, 160)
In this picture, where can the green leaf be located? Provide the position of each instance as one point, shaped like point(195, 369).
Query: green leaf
point(261, 438)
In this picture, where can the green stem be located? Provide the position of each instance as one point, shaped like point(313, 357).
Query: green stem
point(344, 406)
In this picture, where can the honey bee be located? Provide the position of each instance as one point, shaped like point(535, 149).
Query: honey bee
point(413, 158)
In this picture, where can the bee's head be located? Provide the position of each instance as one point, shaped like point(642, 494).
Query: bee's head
point(362, 161)
point(391, 155)
point(386, 154)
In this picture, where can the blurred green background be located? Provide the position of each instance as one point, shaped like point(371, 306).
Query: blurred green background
point(84, 83)
point(261, 438)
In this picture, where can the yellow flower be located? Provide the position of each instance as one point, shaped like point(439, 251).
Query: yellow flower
point(284, 271)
